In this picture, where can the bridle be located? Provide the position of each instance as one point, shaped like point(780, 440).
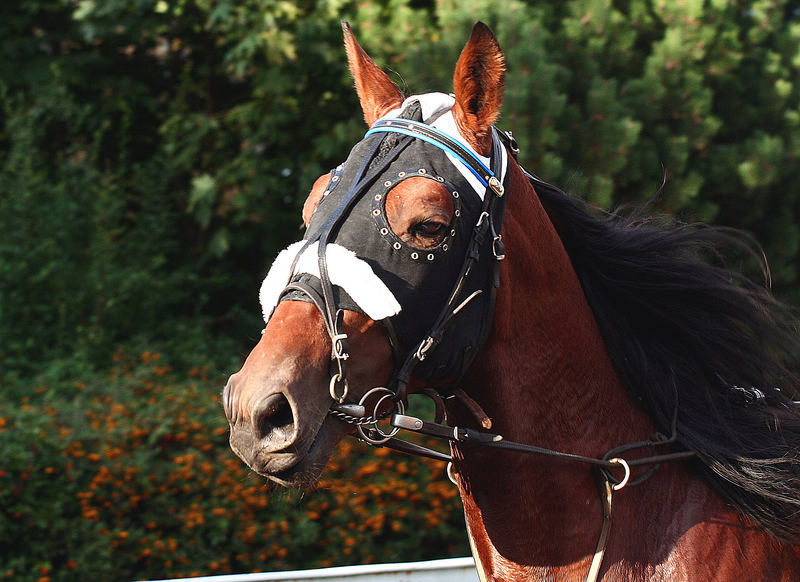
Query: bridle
point(480, 267)
point(475, 278)
point(485, 237)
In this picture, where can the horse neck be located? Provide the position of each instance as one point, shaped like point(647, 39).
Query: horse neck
point(544, 378)
point(545, 373)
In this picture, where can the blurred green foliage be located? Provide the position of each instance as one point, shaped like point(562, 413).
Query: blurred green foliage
point(154, 154)
point(154, 157)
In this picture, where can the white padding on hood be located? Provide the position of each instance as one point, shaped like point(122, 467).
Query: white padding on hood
point(345, 270)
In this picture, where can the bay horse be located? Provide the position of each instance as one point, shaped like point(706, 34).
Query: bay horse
point(595, 331)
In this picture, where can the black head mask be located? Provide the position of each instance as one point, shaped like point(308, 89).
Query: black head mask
point(445, 294)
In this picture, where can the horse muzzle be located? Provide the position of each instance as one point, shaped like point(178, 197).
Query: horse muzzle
point(266, 434)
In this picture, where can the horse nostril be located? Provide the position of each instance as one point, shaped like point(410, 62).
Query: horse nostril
point(273, 415)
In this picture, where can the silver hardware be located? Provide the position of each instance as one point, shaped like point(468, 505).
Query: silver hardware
point(627, 476)
point(415, 256)
point(356, 410)
point(387, 183)
point(495, 185)
point(406, 422)
point(497, 255)
point(335, 379)
point(338, 347)
point(423, 348)
point(451, 473)
point(397, 246)
point(384, 437)
point(484, 215)
point(384, 231)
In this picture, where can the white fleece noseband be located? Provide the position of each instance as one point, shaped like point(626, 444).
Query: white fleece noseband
point(345, 270)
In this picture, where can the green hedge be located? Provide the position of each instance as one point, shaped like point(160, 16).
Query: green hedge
point(154, 154)
point(128, 475)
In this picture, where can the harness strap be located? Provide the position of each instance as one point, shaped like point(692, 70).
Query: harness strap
point(607, 499)
point(607, 483)
point(438, 138)
point(496, 441)
point(325, 301)
point(488, 225)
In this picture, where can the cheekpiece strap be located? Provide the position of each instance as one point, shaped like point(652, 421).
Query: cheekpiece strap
point(489, 225)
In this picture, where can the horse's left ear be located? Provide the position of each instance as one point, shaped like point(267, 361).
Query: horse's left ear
point(478, 84)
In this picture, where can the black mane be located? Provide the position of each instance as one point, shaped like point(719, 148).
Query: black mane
point(686, 334)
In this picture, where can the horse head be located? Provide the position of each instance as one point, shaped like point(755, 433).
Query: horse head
point(380, 271)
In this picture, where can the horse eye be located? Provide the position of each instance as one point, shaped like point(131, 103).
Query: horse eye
point(428, 229)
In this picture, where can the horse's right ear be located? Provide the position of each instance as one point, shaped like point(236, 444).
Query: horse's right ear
point(376, 91)
point(478, 84)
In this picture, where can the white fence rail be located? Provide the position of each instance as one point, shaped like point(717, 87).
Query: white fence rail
point(450, 570)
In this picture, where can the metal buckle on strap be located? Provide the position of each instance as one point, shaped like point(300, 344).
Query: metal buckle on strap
point(423, 348)
point(498, 248)
point(339, 350)
point(496, 186)
point(508, 138)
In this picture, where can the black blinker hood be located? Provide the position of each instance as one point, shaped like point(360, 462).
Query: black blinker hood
point(428, 284)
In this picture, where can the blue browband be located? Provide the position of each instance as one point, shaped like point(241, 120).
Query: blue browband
point(439, 139)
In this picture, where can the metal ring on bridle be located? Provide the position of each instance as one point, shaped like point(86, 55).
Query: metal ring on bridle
point(399, 407)
point(627, 476)
point(451, 473)
point(335, 379)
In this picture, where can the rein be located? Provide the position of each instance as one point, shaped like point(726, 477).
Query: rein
point(608, 484)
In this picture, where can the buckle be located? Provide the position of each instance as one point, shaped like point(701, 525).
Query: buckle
point(339, 342)
point(423, 348)
point(498, 248)
point(496, 186)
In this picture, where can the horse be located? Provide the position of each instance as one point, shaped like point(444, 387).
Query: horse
point(433, 262)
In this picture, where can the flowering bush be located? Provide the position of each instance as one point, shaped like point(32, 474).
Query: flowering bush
point(128, 475)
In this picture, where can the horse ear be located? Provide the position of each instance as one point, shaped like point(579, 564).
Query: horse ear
point(478, 83)
point(376, 91)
